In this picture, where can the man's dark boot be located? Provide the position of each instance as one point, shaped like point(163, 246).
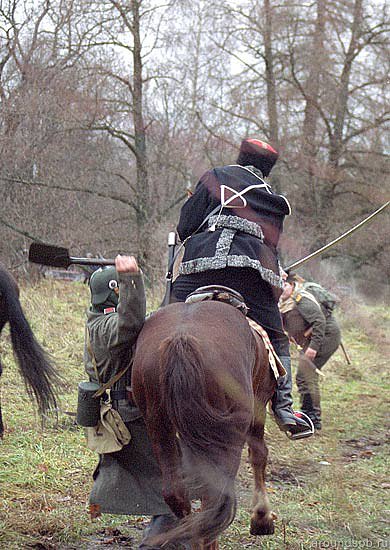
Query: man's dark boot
point(313, 412)
point(316, 411)
point(158, 525)
point(295, 427)
point(317, 425)
point(307, 405)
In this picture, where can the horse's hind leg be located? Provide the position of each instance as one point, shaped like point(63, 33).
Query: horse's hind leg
point(203, 544)
point(166, 449)
point(262, 519)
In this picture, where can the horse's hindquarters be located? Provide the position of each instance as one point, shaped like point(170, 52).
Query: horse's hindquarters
point(192, 376)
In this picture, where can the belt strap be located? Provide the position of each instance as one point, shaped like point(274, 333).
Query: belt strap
point(113, 379)
point(127, 394)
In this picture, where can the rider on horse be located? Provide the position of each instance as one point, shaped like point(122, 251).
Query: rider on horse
point(231, 227)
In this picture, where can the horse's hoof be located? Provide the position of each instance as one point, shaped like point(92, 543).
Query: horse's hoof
point(265, 527)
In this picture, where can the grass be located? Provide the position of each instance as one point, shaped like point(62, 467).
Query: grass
point(330, 491)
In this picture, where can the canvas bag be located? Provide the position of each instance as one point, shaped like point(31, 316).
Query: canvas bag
point(111, 433)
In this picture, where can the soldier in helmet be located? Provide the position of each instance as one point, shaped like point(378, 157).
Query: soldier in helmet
point(127, 481)
point(231, 227)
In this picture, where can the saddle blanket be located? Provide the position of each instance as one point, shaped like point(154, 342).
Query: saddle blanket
point(274, 361)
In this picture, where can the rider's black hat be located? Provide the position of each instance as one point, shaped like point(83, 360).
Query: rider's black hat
point(257, 153)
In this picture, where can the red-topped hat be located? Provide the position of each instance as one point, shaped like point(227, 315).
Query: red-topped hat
point(254, 152)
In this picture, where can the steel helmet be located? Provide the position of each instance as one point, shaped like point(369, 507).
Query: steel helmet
point(103, 284)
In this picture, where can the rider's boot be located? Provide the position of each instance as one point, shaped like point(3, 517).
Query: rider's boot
point(294, 426)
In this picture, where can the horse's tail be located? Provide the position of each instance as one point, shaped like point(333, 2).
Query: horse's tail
point(207, 524)
point(35, 365)
point(207, 435)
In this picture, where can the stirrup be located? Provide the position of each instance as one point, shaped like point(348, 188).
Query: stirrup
point(303, 434)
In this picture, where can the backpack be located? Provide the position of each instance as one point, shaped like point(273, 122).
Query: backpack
point(327, 299)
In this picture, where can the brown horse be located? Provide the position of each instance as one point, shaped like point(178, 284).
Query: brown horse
point(35, 366)
point(202, 381)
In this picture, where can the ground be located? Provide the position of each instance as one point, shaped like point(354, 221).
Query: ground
point(329, 491)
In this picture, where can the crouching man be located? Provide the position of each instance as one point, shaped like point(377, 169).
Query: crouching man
point(316, 330)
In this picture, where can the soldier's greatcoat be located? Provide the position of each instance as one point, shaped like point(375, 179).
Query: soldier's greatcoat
point(311, 326)
point(127, 481)
point(324, 335)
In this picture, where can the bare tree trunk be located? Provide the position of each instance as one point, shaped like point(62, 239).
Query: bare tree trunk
point(336, 145)
point(312, 90)
point(270, 76)
point(142, 184)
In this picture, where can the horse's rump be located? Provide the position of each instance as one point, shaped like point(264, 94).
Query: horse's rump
point(196, 362)
point(192, 376)
point(209, 408)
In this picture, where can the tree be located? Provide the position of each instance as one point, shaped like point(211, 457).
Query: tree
point(313, 58)
point(115, 107)
point(45, 153)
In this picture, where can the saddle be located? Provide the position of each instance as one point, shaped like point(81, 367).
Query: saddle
point(219, 293)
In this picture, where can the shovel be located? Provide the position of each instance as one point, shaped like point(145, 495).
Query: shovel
point(57, 256)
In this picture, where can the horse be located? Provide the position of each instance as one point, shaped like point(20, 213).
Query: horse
point(36, 368)
point(202, 380)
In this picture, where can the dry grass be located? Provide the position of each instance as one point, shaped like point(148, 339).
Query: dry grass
point(331, 489)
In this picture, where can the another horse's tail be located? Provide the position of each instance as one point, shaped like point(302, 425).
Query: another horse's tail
point(36, 368)
point(208, 436)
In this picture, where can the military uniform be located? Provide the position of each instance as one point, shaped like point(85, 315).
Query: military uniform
point(237, 247)
point(310, 325)
point(127, 481)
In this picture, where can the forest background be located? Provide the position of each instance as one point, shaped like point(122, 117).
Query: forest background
point(110, 110)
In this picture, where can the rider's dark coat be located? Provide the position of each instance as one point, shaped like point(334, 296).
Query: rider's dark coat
point(236, 247)
point(243, 236)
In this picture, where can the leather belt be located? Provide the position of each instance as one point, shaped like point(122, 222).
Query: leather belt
point(125, 394)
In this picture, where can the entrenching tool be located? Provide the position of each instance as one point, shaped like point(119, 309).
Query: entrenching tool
point(347, 358)
point(57, 256)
